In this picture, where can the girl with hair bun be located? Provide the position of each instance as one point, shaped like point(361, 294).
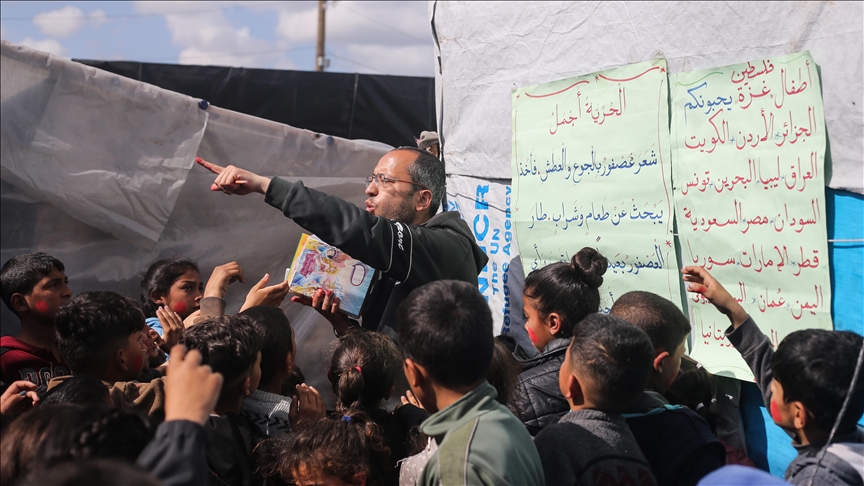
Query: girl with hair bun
point(555, 298)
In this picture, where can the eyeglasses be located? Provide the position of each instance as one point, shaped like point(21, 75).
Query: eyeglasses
point(381, 181)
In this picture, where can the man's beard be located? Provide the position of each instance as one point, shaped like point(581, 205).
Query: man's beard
point(403, 213)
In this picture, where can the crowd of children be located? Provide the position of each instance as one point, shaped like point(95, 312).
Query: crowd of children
point(98, 388)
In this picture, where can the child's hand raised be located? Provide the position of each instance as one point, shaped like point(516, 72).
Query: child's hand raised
point(306, 407)
point(261, 295)
point(699, 281)
point(18, 398)
point(222, 276)
point(191, 389)
point(172, 326)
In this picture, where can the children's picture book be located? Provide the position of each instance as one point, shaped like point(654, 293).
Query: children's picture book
point(318, 265)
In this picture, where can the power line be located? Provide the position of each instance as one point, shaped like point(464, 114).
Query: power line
point(139, 15)
point(230, 54)
point(376, 70)
point(386, 26)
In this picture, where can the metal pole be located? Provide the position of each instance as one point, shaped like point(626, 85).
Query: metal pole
point(319, 50)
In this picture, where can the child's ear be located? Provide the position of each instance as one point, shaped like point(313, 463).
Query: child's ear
point(289, 363)
point(801, 416)
point(414, 373)
point(660, 361)
point(157, 298)
point(247, 386)
point(574, 390)
point(389, 392)
point(19, 303)
point(553, 320)
point(359, 479)
point(120, 360)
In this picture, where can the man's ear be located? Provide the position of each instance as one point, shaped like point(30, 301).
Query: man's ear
point(359, 479)
point(414, 373)
point(424, 201)
point(554, 321)
point(660, 361)
point(19, 302)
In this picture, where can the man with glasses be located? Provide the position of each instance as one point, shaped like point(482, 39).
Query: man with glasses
point(398, 233)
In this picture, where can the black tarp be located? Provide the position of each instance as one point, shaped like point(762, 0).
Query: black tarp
point(389, 109)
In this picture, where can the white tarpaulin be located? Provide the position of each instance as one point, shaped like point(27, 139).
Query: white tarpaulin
point(209, 227)
point(488, 48)
point(109, 151)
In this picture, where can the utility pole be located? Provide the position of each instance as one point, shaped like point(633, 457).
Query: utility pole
point(320, 61)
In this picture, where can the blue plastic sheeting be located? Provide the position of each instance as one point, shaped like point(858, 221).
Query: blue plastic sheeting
point(767, 444)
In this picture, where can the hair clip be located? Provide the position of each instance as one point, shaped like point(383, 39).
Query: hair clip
point(359, 370)
point(346, 418)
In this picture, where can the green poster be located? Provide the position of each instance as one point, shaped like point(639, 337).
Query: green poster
point(748, 144)
point(591, 167)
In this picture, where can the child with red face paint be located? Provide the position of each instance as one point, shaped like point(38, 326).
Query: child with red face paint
point(33, 286)
point(556, 298)
point(804, 385)
point(173, 286)
point(677, 441)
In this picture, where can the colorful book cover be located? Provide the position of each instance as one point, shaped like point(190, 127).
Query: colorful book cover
point(318, 265)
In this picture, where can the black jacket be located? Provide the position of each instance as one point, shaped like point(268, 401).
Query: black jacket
point(407, 256)
point(232, 439)
point(540, 402)
point(177, 455)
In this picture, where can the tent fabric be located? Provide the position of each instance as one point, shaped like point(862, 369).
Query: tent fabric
point(209, 227)
point(486, 51)
point(113, 152)
point(388, 109)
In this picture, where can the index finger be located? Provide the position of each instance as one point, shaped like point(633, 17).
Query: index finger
point(178, 354)
point(216, 169)
point(693, 270)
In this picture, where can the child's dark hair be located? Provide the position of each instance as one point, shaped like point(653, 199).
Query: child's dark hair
point(446, 327)
point(616, 355)
point(78, 390)
point(92, 325)
point(22, 272)
point(297, 378)
point(695, 390)
point(159, 278)
point(504, 373)
point(229, 344)
point(662, 320)
point(94, 472)
point(570, 290)
point(815, 367)
point(340, 446)
point(276, 335)
point(52, 434)
point(363, 369)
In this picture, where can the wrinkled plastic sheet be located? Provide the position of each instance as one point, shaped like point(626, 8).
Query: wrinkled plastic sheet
point(109, 151)
point(488, 48)
point(209, 227)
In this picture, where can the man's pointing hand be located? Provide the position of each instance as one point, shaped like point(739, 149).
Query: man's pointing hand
point(234, 180)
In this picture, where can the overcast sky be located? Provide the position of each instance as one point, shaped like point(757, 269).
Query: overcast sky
point(365, 37)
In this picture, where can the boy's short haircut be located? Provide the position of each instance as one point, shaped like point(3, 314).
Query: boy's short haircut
point(22, 272)
point(616, 355)
point(446, 327)
point(78, 390)
point(815, 367)
point(275, 331)
point(229, 344)
point(665, 324)
point(93, 325)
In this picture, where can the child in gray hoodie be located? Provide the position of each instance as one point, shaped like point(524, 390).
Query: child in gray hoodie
point(804, 384)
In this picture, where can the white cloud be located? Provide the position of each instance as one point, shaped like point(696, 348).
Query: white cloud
point(2, 32)
point(66, 21)
point(208, 36)
point(61, 22)
point(97, 18)
point(388, 37)
point(47, 45)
